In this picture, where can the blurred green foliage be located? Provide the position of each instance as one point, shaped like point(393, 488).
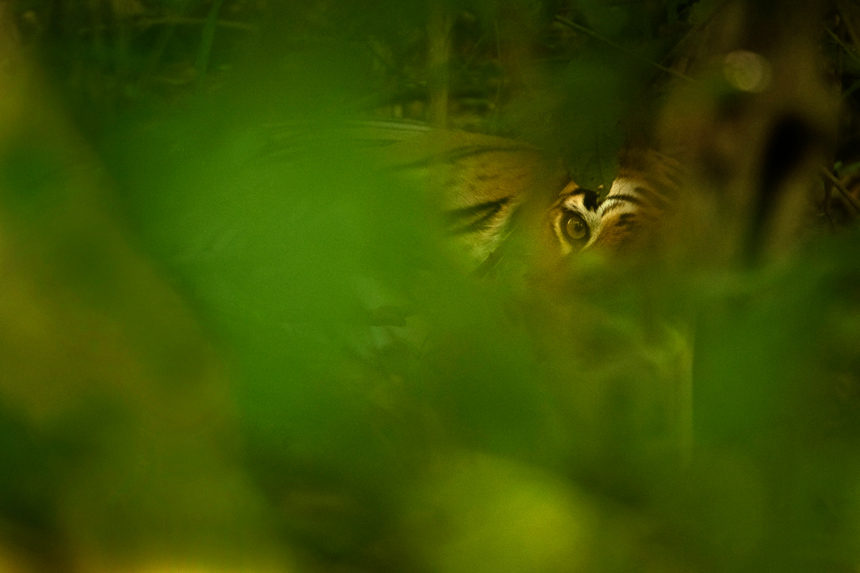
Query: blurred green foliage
point(392, 414)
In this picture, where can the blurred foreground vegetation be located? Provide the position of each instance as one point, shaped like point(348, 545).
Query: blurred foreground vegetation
point(229, 341)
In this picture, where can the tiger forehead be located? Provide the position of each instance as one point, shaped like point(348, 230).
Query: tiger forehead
point(574, 197)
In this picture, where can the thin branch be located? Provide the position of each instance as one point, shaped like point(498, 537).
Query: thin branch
point(848, 25)
point(842, 189)
point(619, 47)
point(207, 38)
point(843, 45)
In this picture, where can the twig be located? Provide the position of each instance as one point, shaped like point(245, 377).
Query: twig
point(694, 32)
point(207, 38)
point(844, 46)
point(619, 47)
point(848, 25)
point(842, 189)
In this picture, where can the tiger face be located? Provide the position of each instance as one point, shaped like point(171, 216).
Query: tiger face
point(579, 220)
point(628, 218)
point(485, 186)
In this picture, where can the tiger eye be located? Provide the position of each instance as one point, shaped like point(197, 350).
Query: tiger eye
point(575, 228)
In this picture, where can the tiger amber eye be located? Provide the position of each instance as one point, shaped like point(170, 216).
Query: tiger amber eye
point(575, 228)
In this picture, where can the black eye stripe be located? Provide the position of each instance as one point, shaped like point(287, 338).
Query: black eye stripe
point(619, 201)
point(589, 199)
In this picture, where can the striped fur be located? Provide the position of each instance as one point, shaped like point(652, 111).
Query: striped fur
point(482, 183)
point(629, 217)
point(478, 182)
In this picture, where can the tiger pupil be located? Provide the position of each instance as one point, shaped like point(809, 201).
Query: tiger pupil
point(575, 228)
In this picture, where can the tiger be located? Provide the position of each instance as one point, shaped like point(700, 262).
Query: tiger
point(488, 186)
point(482, 185)
point(629, 217)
